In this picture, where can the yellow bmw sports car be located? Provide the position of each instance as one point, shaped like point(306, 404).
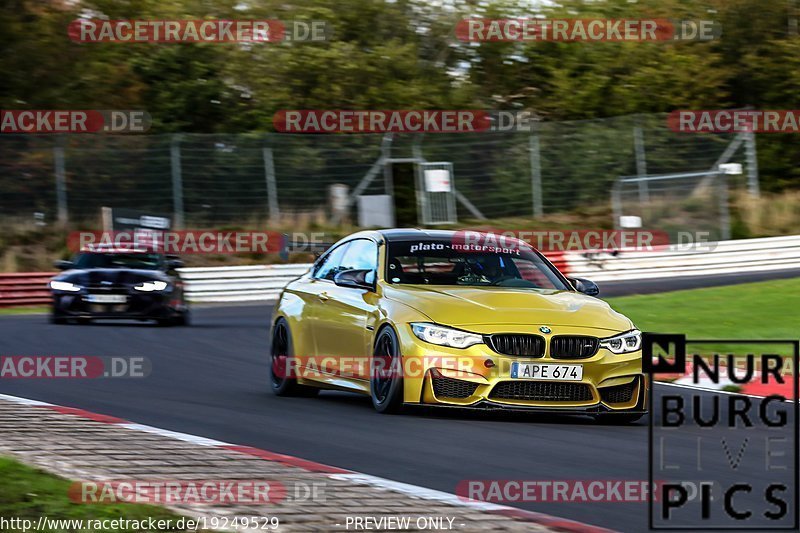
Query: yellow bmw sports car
point(418, 317)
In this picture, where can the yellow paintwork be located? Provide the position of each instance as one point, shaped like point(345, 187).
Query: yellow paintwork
point(345, 323)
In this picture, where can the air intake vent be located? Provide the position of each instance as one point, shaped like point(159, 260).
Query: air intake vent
point(517, 344)
point(618, 393)
point(573, 347)
point(542, 391)
point(453, 388)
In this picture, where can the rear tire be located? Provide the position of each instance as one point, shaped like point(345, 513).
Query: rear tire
point(282, 377)
point(183, 319)
point(386, 373)
point(57, 319)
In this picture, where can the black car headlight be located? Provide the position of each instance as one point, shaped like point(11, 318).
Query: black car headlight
point(627, 342)
point(444, 336)
point(64, 286)
point(151, 286)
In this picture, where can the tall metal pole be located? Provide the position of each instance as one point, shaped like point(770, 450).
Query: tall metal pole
point(61, 183)
point(536, 173)
point(725, 216)
point(752, 164)
point(177, 182)
point(386, 153)
point(641, 163)
point(272, 188)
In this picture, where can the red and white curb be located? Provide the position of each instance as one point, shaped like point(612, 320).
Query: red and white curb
point(552, 522)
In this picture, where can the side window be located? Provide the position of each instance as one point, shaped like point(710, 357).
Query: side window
point(331, 264)
point(361, 255)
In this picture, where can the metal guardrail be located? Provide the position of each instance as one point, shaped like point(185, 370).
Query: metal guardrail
point(28, 288)
point(264, 282)
point(238, 283)
point(724, 257)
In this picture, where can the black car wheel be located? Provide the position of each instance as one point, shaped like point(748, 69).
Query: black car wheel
point(185, 319)
point(386, 373)
point(282, 377)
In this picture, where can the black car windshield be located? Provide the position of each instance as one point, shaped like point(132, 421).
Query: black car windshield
point(446, 262)
point(142, 261)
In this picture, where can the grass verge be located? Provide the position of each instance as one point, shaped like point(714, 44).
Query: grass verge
point(763, 310)
point(28, 493)
point(27, 310)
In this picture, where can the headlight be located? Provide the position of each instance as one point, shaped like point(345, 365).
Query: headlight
point(64, 286)
point(445, 336)
point(627, 342)
point(150, 286)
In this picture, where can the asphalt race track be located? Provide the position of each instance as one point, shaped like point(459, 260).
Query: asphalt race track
point(211, 380)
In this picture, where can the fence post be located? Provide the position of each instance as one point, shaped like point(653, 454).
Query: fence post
point(616, 203)
point(641, 163)
point(61, 182)
point(386, 153)
point(272, 188)
point(752, 164)
point(177, 183)
point(725, 215)
point(536, 172)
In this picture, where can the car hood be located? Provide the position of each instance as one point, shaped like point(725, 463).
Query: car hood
point(470, 306)
point(116, 276)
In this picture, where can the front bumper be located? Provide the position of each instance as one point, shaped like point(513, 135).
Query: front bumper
point(480, 378)
point(143, 305)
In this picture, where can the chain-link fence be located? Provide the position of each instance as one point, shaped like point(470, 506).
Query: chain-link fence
point(215, 179)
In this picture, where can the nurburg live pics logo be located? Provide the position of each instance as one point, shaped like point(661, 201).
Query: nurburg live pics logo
point(723, 460)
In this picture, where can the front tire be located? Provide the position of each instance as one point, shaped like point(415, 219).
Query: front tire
point(386, 373)
point(282, 377)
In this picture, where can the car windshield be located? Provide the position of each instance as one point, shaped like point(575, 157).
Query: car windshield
point(143, 261)
point(443, 262)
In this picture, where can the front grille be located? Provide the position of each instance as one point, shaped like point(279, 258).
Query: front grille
point(96, 289)
point(618, 393)
point(453, 388)
point(517, 344)
point(542, 391)
point(573, 347)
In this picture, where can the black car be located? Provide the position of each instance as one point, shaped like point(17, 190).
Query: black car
point(126, 284)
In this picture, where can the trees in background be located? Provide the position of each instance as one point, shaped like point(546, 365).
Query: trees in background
point(404, 54)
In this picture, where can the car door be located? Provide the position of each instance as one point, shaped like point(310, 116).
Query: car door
point(316, 291)
point(343, 317)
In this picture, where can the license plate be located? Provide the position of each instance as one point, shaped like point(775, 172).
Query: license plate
point(546, 372)
point(106, 298)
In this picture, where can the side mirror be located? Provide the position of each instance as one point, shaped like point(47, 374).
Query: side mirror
point(356, 279)
point(63, 265)
point(174, 263)
point(585, 286)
